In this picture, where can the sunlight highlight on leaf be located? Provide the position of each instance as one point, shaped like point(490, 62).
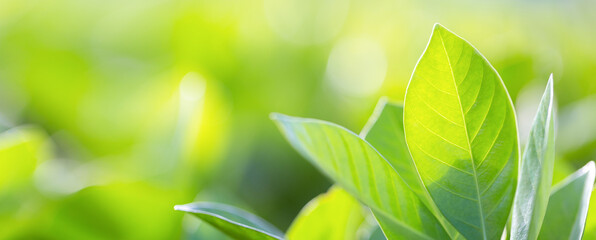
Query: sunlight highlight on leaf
point(461, 131)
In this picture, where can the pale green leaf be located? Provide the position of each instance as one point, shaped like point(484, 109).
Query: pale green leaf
point(234, 222)
point(536, 172)
point(461, 132)
point(568, 206)
point(385, 131)
point(334, 215)
point(359, 169)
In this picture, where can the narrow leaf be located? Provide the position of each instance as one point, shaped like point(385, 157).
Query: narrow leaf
point(334, 215)
point(232, 221)
point(568, 206)
point(359, 169)
point(536, 173)
point(385, 131)
point(461, 132)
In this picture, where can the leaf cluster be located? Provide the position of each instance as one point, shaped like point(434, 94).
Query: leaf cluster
point(445, 165)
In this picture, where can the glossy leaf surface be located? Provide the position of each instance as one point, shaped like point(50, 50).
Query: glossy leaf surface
point(568, 206)
point(234, 222)
point(461, 132)
point(536, 172)
point(359, 169)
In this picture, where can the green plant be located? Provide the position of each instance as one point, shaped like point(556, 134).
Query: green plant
point(446, 165)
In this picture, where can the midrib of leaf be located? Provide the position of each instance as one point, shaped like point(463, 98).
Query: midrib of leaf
point(373, 181)
point(352, 166)
point(467, 138)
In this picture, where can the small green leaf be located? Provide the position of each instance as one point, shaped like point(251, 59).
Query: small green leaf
point(568, 206)
point(359, 169)
point(234, 222)
point(334, 215)
point(385, 131)
point(461, 132)
point(536, 173)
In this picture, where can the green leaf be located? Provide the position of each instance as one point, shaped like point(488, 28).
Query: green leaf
point(385, 131)
point(536, 173)
point(376, 234)
point(590, 231)
point(22, 149)
point(234, 222)
point(359, 169)
point(568, 206)
point(332, 215)
point(461, 132)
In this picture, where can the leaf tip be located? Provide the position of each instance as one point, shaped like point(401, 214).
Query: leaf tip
point(591, 167)
point(180, 208)
point(276, 116)
point(550, 81)
point(439, 27)
point(383, 100)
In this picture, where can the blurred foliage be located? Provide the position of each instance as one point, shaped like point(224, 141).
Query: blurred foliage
point(140, 105)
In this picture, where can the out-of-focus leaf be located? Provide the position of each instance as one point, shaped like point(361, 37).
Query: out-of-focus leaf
point(234, 222)
point(332, 215)
point(536, 173)
point(590, 229)
point(116, 211)
point(21, 150)
point(385, 131)
point(461, 131)
point(568, 206)
point(359, 169)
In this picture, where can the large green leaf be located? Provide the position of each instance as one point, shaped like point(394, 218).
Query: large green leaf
point(234, 222)
point(536, 172)
point(461, 132)
point(359, 169)
point(385, 131)
point(334, 215)
point(568, 206)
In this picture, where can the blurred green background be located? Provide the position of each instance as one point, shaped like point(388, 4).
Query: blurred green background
point(112, 112)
